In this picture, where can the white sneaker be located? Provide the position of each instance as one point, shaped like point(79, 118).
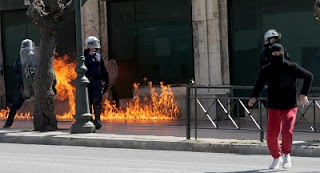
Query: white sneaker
point(276, 163)
point(286, 161)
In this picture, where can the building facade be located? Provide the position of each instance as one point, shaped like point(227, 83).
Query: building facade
point(214, 42)
point(170, 40)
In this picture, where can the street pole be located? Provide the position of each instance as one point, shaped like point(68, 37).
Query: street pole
point(83, 115)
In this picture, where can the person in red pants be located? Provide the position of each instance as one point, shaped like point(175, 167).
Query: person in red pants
point(281, 75)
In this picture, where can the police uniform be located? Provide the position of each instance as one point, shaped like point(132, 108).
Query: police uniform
point(17, 100)
point(96, 73)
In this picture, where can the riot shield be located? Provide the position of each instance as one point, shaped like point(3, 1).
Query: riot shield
point(29, 62)
point(112, 70)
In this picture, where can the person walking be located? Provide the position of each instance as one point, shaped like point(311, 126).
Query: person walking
point(280, 75)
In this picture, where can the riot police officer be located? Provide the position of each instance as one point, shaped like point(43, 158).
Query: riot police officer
point(18, 97)
point(97, 76)
point(270, 37)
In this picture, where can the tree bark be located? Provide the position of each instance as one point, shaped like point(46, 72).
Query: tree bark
point(44, 117)
point(316, 9)
point(47, 24)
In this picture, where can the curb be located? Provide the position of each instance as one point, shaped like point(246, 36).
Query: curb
point(304, 149)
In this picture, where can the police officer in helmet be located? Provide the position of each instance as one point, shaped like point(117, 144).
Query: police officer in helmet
point(18, 97)
point(270, 37)
point(97, 76)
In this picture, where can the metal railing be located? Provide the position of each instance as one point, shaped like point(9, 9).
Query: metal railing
point(232, 112)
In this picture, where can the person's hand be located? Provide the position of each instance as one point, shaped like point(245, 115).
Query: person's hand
point(252, 101)
point(303, 100)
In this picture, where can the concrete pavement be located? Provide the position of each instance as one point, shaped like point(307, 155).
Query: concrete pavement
point(22, 158)
point(157, 136)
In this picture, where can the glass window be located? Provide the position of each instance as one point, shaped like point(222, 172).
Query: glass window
point(293, 18)
point(152, 39)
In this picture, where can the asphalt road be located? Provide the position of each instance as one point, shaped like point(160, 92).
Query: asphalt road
point(16, 158)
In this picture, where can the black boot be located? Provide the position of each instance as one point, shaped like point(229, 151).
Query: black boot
point(97, 121)
point(11, 115)
point(8, 124)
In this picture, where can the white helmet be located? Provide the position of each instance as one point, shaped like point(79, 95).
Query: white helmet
point(92, 42)
point(27, 44)
point(271, 33)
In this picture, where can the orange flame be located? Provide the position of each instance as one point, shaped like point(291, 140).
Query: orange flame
point(159, 106)
point(4, 112)
point(65, 73)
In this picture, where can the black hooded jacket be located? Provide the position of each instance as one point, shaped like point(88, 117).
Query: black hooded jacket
point(281, 80)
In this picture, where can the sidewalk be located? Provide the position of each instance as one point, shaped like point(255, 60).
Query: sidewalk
point(167, 136)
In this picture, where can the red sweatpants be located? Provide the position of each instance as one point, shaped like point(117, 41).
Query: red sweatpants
point(280, 120)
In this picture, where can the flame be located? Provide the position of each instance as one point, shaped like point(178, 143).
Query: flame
point(4, 112)
point(65, 73)
point(159, 106)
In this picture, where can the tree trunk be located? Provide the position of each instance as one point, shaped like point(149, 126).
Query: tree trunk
point(47, 23)
point(316, 9)
point(44, 117)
